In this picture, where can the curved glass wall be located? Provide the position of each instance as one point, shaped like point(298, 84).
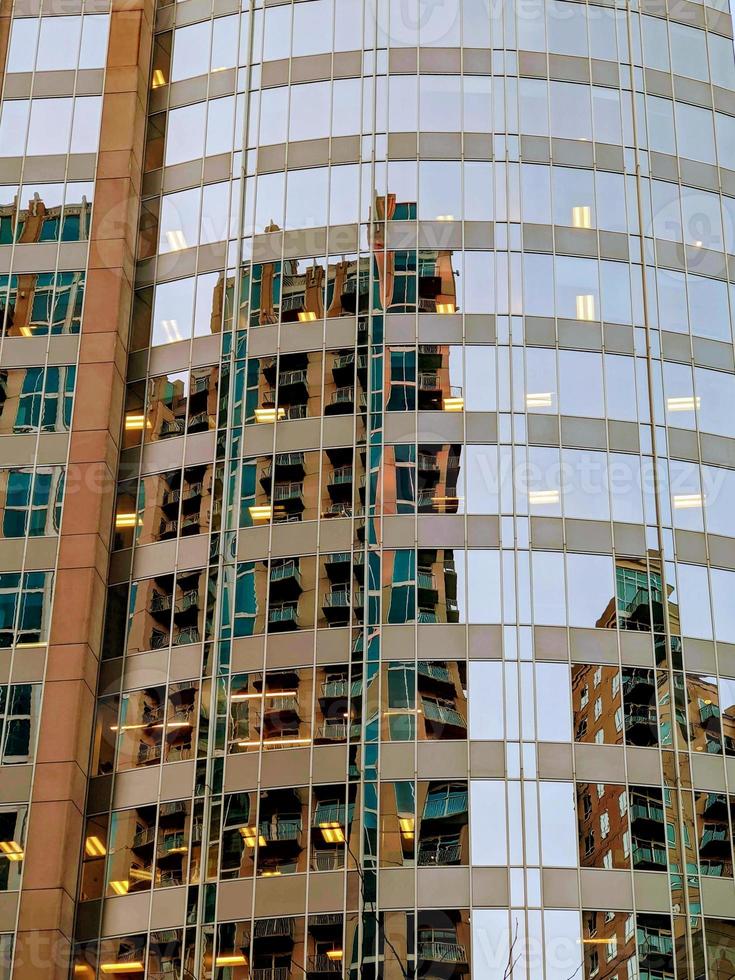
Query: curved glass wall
point(420, 637)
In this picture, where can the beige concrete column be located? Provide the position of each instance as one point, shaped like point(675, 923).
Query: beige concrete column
point(55, 829)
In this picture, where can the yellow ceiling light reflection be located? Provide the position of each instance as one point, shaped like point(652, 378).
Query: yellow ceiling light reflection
point(582, 216)
point(135, 422)
point(269, 414)
point(230, 959)
point(455, 403)
point(332, 832)
point(94, 847)
point(445, 217)
point(124, 966)
point(12, 850)
point(334, 954)
point(26, 331)
point(261, 513)
point(120, 887)
point(585, 307)
point(445, 308)
point(126, 520)
point(307, 316)
point(407, 826)
point(141, 874)
point(158, 79)
point(251, 837)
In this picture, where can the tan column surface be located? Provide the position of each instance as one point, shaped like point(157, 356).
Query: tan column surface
point(55, 827)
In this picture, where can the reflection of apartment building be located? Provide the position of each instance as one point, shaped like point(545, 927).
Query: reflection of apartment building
point(609, 940)
point(397, 281)
point(168, 610)
point(638, 600)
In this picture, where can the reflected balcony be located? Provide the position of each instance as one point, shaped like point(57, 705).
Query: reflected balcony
point(433, 854)
point(647, 856)
point(285, 581)
point(445, 807)
point(282, 618)
point(439, 716)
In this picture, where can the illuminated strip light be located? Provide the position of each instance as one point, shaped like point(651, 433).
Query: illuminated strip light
point(230, 959)
point(266, 694)
point(446, 308)
point(586, 307)
point(684, 403)
point(582, 216)
point(260, 512)
point(126, 966)
point(176, 240)
point(688, 501)
point(273, 743)
point(539, 399)
point(171, 328)
point(136, 422)
point(126, 520)
point(120, 887)
point(543, 497)
point(307, 316)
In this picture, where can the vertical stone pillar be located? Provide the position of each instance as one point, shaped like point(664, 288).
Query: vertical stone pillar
point(54, 835)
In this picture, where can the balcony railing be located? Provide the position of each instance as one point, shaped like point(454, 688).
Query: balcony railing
point(332, 860)
point(148, 753)
point(653, 944)
point(333, 813)
point(647, 811)
point(288, 491)
point(342, 474)
point(445, 806)
point(646, 854)
point(442, 952)
point(337, 599)
point(144, 837)
point(288, 569)
point(321, 963)
point(341, 689)
point(445, 715)
point(282, 614)
point(431, 854)
point(275, 973)
point(338, 731)
point(283, 830)
point(434, 671)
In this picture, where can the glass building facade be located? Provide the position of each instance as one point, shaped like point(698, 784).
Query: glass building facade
point(367, 490)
